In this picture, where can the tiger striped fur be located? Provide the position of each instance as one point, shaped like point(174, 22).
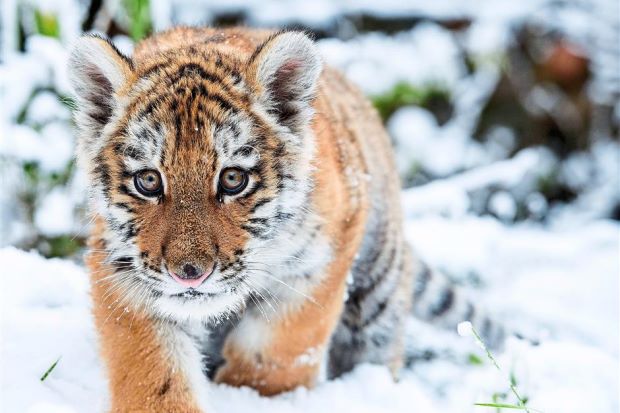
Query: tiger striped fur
point(306, 272)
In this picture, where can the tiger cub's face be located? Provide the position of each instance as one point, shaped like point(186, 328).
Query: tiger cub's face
point(199, 163)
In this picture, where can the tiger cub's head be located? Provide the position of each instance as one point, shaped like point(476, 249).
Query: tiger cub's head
point(199, 161)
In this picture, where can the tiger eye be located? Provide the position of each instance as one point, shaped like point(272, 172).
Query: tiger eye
point(233, 180)
point(148, 182)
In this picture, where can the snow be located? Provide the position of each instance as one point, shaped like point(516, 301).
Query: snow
point(25, 71)
point(532, 277)
point(528, 272)
point(450, 196)
point(420, 141)
point(46, 315)
point(465, 329)
point(503, 205)
point(46, 107)
point(51, 57)
point(51, 148)
point(377, 62)
point(316, 13)
point(56, 216)
point(601, 189)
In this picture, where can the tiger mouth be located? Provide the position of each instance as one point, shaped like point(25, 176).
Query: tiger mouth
point(192, 294)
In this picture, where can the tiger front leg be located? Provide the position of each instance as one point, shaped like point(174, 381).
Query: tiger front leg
point(279, 352)
point(152, 365)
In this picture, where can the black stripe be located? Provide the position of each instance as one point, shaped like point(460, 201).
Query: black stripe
point(195, 69)
point(280, 150)
point(151, 106)
point(177, 123)
point(257, 186)
point(122, 188)
point(124, 206)
point(379, 309)
point(444, 304)
point(130, 230)
point(146, 135)
point(283, 216)
point(122, 263)
point(260, 203)
point(214, 97)
point(260, 48)
point(190, 69)
point(101, 106)
point(367, 263)
point(245, 151)
point(361, 293)
point(469, 314)
point(259, 168)
point(382, 271)
point(135, 154)
point(259, 221)
point(228, 69)
point(421, 282)
point(104, 176)
point(154, 69)
point(487, 326)
point(257, 232)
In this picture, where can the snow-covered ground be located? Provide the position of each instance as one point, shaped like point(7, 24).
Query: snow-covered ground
point(558, 285)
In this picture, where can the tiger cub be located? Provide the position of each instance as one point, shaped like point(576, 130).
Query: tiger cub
point(247, 225)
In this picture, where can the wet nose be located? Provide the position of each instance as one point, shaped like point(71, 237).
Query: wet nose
point(191, 271)
point(191, 275)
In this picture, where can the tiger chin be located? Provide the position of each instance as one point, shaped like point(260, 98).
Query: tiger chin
point(247, 226)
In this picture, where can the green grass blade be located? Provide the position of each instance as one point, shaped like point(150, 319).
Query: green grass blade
point(506, 406)
point(500, 405)
point(48, 371)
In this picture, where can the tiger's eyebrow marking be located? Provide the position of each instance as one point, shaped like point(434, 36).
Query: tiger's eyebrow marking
point(245, 151)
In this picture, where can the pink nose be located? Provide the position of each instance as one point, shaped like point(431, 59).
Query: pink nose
point(191, 276)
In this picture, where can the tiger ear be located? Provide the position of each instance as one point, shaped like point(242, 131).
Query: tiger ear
point(97, 71)
point(285, 70)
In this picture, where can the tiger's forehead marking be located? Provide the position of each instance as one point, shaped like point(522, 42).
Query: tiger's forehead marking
point(217, 74)
point(196, 101)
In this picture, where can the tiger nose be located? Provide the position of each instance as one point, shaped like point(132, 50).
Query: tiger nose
point(190, 271)
point(191, 275)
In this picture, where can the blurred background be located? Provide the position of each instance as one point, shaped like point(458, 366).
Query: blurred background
point(530, 87)
point(505, 119)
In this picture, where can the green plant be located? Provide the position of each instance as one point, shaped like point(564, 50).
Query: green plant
point(47, 24)
point(404, 94)
point(466, 329)
point(62, 246)
point(474, 360)
point(49, 370)
point(139, 14)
